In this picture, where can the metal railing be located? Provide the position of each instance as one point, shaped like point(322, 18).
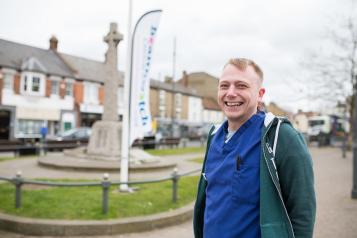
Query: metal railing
point(18, 181)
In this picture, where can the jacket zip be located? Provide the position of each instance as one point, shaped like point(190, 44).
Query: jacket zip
point(276, 186)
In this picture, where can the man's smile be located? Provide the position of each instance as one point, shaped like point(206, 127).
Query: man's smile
point(233, 104)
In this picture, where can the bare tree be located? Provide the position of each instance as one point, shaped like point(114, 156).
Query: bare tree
point(331, 71)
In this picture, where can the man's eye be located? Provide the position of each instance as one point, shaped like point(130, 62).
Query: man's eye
point(223, 86)
point(241, 86)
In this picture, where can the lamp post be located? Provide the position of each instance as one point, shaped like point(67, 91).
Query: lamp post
point(173, 111)
point(343, 106)
point(354, 144)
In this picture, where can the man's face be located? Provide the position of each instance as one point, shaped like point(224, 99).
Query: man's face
point(239, 93)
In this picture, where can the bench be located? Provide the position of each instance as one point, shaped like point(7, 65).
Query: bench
point(151, 143)
point(20, 148)
point(169, 141)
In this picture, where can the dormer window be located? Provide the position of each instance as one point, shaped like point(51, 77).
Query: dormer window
point(33, 84)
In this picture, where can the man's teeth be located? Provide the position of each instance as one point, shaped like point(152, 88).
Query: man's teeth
point(232, 104)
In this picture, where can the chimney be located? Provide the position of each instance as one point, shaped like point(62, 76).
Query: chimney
point(184, 78)
point(53, 43)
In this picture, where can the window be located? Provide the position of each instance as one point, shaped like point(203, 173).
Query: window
point(29, 127)
point(8, 81)
point(161, 97)
point(91, 93)
point(162, 112)
point(54, 87)
point(25, 83)
point(33, 84)
point(69, 89)
point(178, 114)
point(178, 98)
point(162, 103)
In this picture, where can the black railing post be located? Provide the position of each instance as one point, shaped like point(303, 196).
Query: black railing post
point(105, 198)
point(18, 184)
point(175, 179)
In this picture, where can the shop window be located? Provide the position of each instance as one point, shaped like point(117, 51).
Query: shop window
point(29, 127)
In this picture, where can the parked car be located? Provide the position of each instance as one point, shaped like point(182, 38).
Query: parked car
point(81, 133)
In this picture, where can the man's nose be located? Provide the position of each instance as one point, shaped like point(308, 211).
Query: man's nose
point(231, 91)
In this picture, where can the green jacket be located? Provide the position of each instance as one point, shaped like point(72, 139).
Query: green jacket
point(287, 195)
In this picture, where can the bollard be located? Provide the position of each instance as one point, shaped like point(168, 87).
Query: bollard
point(18, 184)
point(175, 179)
point(105, 198)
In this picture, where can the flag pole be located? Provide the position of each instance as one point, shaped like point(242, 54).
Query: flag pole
point(127, 126)
point(124, 163)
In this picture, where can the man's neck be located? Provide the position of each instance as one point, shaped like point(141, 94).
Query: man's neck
point(236, 124)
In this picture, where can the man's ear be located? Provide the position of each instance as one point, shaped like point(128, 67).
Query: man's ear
point(261, 94)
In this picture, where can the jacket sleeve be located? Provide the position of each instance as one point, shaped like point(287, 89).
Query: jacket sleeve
point(294, 165)
point(200, 204)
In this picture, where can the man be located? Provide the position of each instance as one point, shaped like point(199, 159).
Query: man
point(257, 178)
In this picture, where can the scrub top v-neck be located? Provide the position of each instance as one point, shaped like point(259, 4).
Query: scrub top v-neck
point(233, 185)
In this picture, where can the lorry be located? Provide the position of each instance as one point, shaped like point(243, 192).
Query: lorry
point(325, 129)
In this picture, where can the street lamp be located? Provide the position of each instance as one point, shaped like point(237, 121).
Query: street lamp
point(354, 144)
point(343, 106)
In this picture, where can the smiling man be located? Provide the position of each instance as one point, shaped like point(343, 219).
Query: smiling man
point(257, 178)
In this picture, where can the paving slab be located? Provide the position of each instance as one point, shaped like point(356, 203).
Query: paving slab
point(336, 211)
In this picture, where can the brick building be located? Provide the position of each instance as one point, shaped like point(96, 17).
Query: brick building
point(44, 87)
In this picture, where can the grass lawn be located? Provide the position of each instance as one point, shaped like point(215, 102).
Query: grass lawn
point(176, 151)
point(197, 160)
point(84, 203)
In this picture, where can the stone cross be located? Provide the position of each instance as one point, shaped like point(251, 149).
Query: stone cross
point(111, 82)
point(105, 140)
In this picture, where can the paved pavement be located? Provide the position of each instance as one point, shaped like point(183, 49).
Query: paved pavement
point(336, 211)
point(30, 169)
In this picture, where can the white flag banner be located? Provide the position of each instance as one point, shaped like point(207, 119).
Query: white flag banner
point(143, 42)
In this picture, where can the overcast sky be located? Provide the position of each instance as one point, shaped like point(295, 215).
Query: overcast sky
point(275, 33)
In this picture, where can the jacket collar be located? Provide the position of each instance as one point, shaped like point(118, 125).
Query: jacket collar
point(269, 117)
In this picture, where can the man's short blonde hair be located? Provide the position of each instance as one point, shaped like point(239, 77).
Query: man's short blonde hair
point(243, 63)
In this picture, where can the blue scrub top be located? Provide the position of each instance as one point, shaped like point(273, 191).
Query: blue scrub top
point(233, 185)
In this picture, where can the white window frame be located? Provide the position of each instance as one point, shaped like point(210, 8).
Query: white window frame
point(162, 97)
point(58, 82)
point(178, 100)
point(71, 82)
point(91, 93)
point(28, 128)
point(8, 80)
point(29, 76)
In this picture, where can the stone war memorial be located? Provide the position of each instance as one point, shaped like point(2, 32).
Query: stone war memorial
point(103, 152)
